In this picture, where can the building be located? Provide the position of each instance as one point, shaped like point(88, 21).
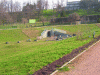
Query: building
point(89, 4)
point(72, 5)
point(91, 0)
point(76, 4)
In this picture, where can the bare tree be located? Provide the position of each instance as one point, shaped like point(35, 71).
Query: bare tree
point(53, 19)
point(40, 4)
point(58, 5)
point(73, 17)
point(42, 18)
point(39, 7)
point(46, 4)
point(16, 7)
point(54, 5)
point(24, 20)
point(62, 3)
point(11, 5)
point(3, 6)
point(4, 15)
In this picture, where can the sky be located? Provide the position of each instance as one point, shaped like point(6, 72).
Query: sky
point(50, 2)
point(36, 0)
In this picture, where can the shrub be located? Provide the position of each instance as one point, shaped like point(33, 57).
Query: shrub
point(73, 17)
point(63, 14)
point(24, 20)
point(98, 20)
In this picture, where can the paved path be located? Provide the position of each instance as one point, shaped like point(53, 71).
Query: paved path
point(86, 64)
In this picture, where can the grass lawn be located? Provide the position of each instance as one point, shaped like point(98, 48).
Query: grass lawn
point(28, 57)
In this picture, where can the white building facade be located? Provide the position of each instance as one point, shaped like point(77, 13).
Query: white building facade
point(72, 5)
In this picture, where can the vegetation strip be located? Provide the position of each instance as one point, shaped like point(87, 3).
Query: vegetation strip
point(52, 67)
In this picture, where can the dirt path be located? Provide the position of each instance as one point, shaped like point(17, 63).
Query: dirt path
point(86, 64)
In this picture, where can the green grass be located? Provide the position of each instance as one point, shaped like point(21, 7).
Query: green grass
point(12, 35)
point(81, 12)
point(20, 25)
point(85, 30)
point(65, 68)
point(5, 27)
point(28, 57)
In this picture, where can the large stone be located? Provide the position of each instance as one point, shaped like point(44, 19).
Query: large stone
point(70, 36)
point(39, 37)
point(18, 42)
point(7, 42)
point(57, 39)
point(74, 34)
point(29, 40)
point(35, 40)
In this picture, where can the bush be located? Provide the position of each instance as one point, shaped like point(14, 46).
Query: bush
point(98, 20)
point(73, 17)
point(63, 14)
point(24, 20)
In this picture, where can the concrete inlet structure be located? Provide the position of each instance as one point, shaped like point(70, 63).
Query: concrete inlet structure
point(46, 33)
point(56, 32)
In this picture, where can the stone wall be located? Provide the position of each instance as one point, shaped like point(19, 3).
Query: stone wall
point(59, 20)
point(89, 18)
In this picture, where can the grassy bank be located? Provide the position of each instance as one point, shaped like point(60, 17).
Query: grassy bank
point(28, 57)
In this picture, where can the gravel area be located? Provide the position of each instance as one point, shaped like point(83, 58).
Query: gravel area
point(86, 64)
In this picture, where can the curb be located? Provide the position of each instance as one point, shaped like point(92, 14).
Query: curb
point(74, 58)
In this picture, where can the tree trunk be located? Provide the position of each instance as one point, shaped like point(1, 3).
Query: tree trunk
point(71, 23)
point(43, 23)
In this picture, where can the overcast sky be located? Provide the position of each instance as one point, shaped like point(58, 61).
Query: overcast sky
point(50, 1)
point(36, 0)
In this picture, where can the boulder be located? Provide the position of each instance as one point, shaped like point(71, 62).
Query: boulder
point(29, 40)
point(35, 40)
point(18, 42)
point(74, 34)
point(7, 42)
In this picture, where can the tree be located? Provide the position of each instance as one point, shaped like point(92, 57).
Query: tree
point(42, 18)
point(16, 7)
point(98, 20)
point(24, 20)
point(60, 9)
point(54, 5)
point(53, 19)
point(4, 15)
point(46, 4)
point(73, 17)
point(29, 8)
point(63, 13)
point(29, 11)
point(11, 5)
point(40, 4)
point(58, 6)
point(62, 3)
